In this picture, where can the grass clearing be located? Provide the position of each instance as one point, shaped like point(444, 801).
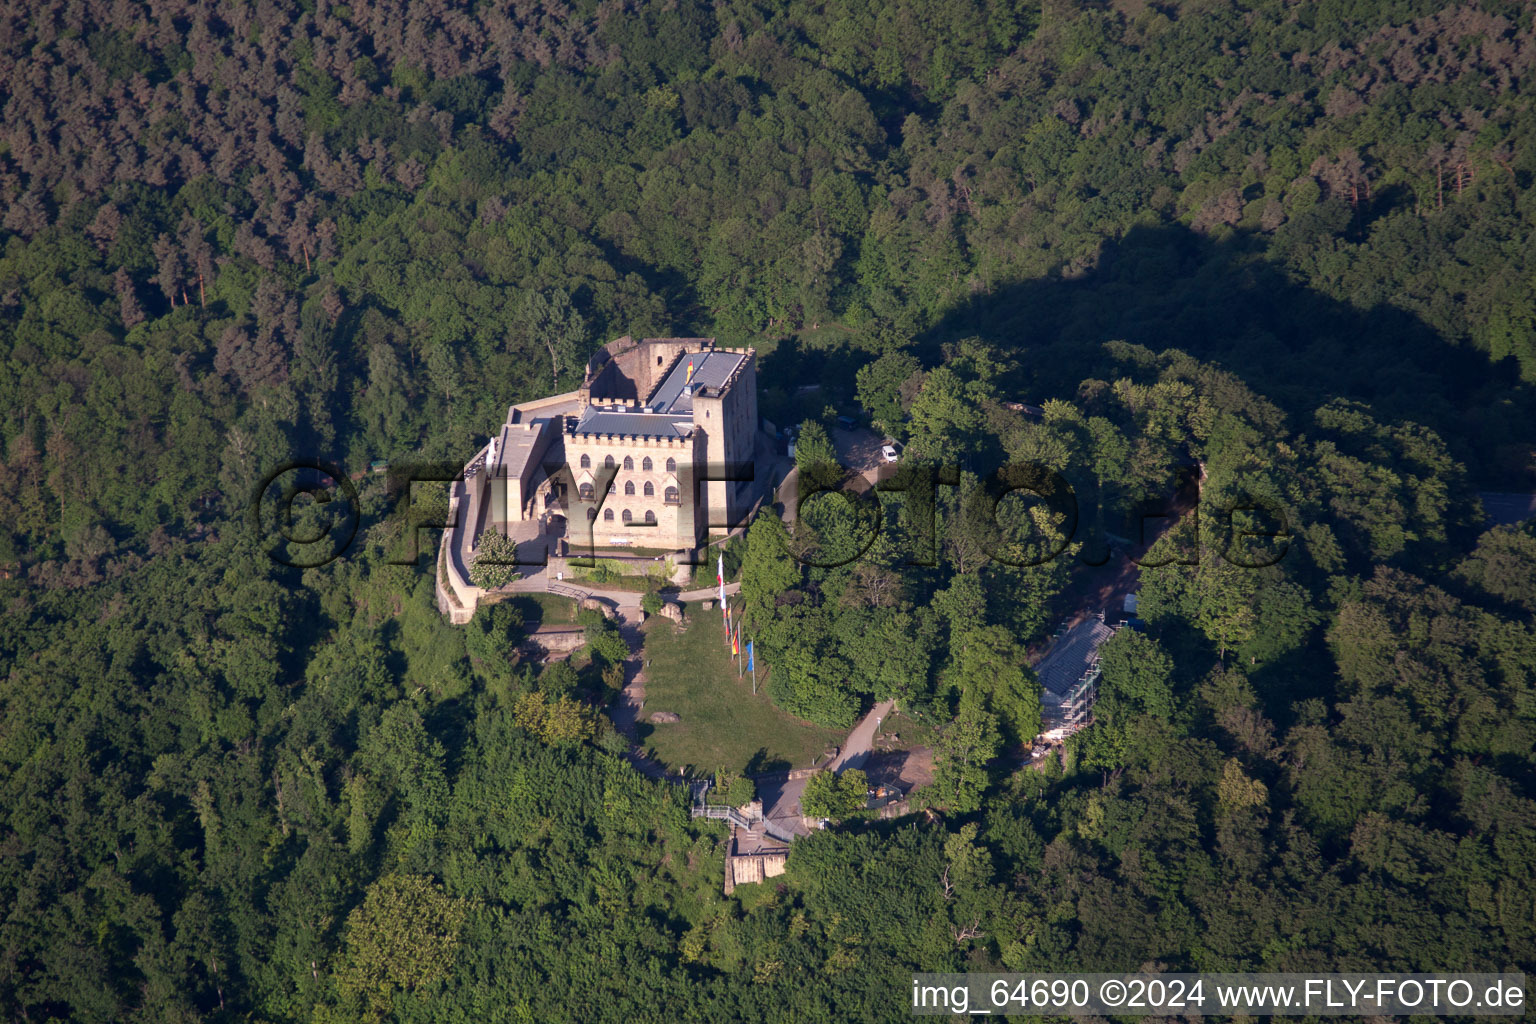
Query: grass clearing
point(910, 731)
point(692, 673)
point(544, 609)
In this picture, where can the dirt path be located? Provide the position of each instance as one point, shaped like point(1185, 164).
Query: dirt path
point(626, 710)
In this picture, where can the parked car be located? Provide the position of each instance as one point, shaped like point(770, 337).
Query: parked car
point(846, 422)
point(889, 453)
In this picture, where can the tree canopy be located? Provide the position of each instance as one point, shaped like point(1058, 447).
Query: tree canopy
point(1273, 255)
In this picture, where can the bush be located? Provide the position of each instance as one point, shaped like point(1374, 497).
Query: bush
point(733, 789)
point(813, 448)
point(613, 678)
point(828, 795)
point(492, 636)
point(495, 562)
point(605, 644)
point(558, 679)
point(610, 739)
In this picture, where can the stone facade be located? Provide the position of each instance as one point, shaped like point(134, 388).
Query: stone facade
point(753, 868)
point(751, 856)
point(641, 507)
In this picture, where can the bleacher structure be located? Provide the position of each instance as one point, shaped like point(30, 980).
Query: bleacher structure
point(1069, 676)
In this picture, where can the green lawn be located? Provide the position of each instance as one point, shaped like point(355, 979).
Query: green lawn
point(544, 609)
point(691, 672)
point(912, 732)
point(608, 574)
point(637, 584)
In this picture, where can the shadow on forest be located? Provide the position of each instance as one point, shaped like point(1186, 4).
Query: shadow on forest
point(790, 360)
point(1226, 302)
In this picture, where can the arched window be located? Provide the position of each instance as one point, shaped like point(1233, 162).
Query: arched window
point(586, 462)
point(671, 465)
point(670, 496)
point(628, 516)
point(650, 489)
point(646, 464)
point(629, 487)
point(585, 490)
point(608, 462)
point(607, 515)
point(650, 517)
point(629, 464)
point(591, 514)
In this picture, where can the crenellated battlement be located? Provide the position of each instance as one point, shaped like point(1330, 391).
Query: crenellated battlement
point(586, 439)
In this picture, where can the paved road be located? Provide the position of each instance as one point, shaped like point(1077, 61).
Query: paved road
point(781, 797)
point(861, 741)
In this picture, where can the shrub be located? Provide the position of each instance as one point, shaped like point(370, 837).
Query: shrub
point(733, 789)
point(829, 795)
point(494, 564)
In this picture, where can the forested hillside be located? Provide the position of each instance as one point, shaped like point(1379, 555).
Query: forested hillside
point(1287, 243)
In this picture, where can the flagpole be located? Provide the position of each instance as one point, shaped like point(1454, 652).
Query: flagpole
point(753, 661)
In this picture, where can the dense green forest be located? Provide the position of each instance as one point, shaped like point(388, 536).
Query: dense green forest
point(1287, 243)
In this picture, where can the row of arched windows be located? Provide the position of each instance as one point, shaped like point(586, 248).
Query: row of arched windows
point(629, 464)
point(670, 495)
point(628, 516)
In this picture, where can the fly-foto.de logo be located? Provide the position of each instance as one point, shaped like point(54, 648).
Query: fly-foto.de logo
point(306, 513)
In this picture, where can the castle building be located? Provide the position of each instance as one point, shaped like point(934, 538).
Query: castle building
point(654, 450)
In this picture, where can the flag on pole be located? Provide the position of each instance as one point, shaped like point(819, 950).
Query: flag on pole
point(720, 578)
point(736, 640)
point(751, 665)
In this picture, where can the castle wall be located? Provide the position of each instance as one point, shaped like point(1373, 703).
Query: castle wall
point(728, 420)
point(523, 446)
point(756, 867)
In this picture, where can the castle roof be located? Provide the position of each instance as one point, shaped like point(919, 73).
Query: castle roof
point(710, 370)
point(629, 423)
point(669, 410)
